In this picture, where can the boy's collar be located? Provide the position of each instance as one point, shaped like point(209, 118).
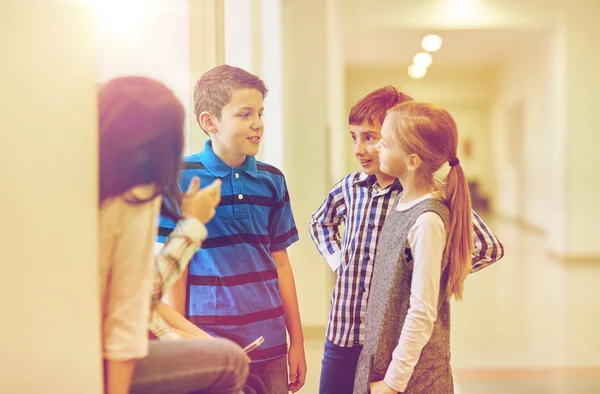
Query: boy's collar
point(363, 177)
point(370, 180)
point(219, 168)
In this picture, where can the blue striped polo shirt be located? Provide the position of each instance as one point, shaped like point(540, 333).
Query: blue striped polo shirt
point(233, 288)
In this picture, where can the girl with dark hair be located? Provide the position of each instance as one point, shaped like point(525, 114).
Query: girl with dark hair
point(141, 145)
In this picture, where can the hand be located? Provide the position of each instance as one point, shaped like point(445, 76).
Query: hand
point(297, 367)
point(201, 204)
point(381, 388)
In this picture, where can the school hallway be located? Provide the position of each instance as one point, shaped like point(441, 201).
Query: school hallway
point(520, 78)
point(529, 324)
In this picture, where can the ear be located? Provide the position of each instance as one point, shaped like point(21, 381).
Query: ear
point(413, 162)
point(207, 122)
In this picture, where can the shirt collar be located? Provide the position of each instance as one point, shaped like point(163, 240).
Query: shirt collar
point(362, 177)
point(219, 168)
point(371, 180)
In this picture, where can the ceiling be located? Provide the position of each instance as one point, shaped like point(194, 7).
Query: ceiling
point(472, 48)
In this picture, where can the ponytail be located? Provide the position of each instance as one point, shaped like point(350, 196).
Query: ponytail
point(460, 239)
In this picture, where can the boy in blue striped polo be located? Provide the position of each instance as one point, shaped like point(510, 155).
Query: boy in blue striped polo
point(360, 201)
point(240, 285)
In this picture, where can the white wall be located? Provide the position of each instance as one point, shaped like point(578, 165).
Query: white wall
point(148, 38)
point(239, 49)
point(555, 83)
point(306, 123)
point(338, 143)
point(527, 81)
point(581, 82)
point(466, 93)
point(50, 330)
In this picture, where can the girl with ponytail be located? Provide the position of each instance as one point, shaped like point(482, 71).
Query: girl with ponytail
point(423, 256)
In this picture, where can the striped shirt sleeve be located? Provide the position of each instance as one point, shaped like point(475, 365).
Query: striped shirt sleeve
point(324, 228)
point(488, 248)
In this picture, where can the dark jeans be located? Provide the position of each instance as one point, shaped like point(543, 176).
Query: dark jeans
point(338, 368)
point(273, 374)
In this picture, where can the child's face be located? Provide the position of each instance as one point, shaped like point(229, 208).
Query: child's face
point(364, 139)
point(241, 127)
point(392, 158)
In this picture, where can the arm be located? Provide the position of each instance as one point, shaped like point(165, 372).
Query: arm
point(117, 375)
point(180, 324)
point(427, 239)
point(488, 248)
point(283, 232)
point(324, 227)
point(287, 290)
point(171, 263)
point(176, 296)
point(199, 207)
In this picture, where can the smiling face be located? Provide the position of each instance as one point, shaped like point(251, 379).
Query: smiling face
point(239, 131)
point(364, 138)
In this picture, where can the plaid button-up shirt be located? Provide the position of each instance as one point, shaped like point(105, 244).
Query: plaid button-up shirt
point(358, 203)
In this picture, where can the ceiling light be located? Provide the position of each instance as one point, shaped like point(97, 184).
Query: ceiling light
point(416, 72)
point(423, 59)
point(431, 43)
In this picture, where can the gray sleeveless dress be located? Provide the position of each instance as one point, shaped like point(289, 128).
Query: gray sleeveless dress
point(389, 301)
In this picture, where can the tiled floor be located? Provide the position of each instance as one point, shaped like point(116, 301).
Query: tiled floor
point(529, 324)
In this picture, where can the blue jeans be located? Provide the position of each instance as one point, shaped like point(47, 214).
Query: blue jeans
point(338, 368)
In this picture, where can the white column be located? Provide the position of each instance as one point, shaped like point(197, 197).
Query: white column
point(581, 127)
point(239, 49)
point(253, 41)
point(206, 50)
point(271, 70)
point(50, 330)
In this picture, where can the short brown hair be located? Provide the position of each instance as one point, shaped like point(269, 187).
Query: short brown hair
point(213, 90)
point(373, 107)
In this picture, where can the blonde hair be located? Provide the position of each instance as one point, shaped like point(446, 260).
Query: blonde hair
point(429, 131)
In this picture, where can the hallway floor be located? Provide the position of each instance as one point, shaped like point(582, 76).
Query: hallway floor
point(529, 324)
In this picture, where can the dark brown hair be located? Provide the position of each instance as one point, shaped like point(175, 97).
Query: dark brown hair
point(373, 107)
point(141, 140)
